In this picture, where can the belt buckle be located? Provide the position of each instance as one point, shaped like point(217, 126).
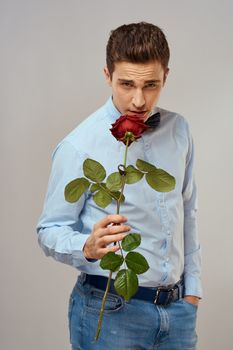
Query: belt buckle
point(169, 296)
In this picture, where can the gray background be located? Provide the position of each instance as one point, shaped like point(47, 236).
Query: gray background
point(52, 56)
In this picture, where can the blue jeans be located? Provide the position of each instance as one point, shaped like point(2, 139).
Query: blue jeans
point(132, 325)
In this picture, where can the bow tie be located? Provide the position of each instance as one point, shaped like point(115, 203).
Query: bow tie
point(153, 121)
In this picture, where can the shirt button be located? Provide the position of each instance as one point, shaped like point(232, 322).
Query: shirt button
point(167, 260)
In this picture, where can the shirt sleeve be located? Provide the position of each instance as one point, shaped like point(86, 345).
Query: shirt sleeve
point(192, 249)
point(58, 226)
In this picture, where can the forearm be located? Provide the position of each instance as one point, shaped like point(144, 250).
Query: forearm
point(58, 226)
point(192, 256)
point(63, 244)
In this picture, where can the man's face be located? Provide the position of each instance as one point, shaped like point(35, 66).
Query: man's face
point(136, 87)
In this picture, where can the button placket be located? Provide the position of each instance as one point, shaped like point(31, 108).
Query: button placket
point(163, 213)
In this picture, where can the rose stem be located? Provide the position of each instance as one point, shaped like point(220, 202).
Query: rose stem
point(110, 273)
point(102, 307)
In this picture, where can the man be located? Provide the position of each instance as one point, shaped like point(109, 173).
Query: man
point(81, 233)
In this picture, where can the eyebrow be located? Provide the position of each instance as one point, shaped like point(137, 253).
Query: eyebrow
point(146, 82)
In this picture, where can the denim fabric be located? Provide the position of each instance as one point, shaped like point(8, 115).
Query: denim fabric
point(132, 325)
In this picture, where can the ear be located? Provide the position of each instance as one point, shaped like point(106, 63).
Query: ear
point(107, 76)
point(165, 76)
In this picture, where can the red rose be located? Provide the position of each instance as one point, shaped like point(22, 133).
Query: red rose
point(128, 127)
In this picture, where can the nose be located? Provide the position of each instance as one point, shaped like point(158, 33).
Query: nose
point(138, 99)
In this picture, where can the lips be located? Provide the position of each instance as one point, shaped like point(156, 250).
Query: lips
point(137, 113)
point(141, 115)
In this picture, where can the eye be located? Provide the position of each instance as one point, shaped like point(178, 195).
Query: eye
point(151, 85)
point(126, 84)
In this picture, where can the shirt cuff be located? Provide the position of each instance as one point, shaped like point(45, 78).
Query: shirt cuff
point(192, 286)
point(78, 256)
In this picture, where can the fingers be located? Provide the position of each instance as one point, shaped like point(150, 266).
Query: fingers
point(106, 231)
point(104, 251)
point(110, 219)
point(108, 239)
point(112, 230)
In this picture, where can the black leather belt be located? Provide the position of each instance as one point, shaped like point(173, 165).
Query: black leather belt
point(159, 296)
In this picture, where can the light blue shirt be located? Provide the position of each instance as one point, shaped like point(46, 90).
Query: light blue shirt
point(166, 221)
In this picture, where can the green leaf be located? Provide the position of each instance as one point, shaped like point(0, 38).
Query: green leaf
point(114, 181)
point(111, 261)
point(131, 241)
point(133, 175)
point(117, 195)
point(160, 180)
point(94, 187)
point(136, 262)
point(75, 189)
point(144, 166)
point(93, 170)
point(126, 283)
point(102, 199)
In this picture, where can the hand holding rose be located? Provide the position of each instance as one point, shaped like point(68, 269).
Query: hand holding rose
point(103, 234)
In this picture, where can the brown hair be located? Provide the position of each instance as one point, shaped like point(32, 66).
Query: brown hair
point(138, 43)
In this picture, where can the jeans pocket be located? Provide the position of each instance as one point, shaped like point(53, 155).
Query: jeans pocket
point(191, 305)
point(94, 299)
